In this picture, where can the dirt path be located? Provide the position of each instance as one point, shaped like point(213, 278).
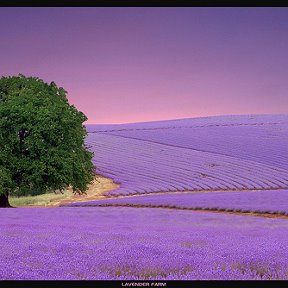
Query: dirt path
point(95, 191)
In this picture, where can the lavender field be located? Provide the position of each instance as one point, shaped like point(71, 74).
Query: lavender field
point(127, 243)
point(213, 153)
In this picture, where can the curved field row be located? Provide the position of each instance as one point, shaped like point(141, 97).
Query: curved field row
point(262, 202)
point(267, 144)
point(140, 244)
point(143, 167)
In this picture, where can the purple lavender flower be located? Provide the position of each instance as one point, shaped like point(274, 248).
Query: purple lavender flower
point(128, 243)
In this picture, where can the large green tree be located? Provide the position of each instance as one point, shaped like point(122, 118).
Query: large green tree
point(41, 139)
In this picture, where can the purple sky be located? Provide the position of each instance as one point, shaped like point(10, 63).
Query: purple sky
point(143, 64)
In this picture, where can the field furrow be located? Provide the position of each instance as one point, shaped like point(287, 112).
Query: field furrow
point(262, 202)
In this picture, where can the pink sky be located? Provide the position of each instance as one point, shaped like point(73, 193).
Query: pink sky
point(124, 65)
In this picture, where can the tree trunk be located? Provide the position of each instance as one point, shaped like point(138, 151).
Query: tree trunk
point(4, 203)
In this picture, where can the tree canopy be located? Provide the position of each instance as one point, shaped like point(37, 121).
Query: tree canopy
point(42, 137)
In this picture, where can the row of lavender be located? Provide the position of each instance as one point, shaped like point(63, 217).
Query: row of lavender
point(145, 167)
point(272, 202)
point(122, 243)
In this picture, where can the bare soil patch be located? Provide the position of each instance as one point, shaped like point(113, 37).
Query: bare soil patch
point(95, 191)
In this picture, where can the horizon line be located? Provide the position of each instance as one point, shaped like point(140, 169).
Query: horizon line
point(186, 118)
